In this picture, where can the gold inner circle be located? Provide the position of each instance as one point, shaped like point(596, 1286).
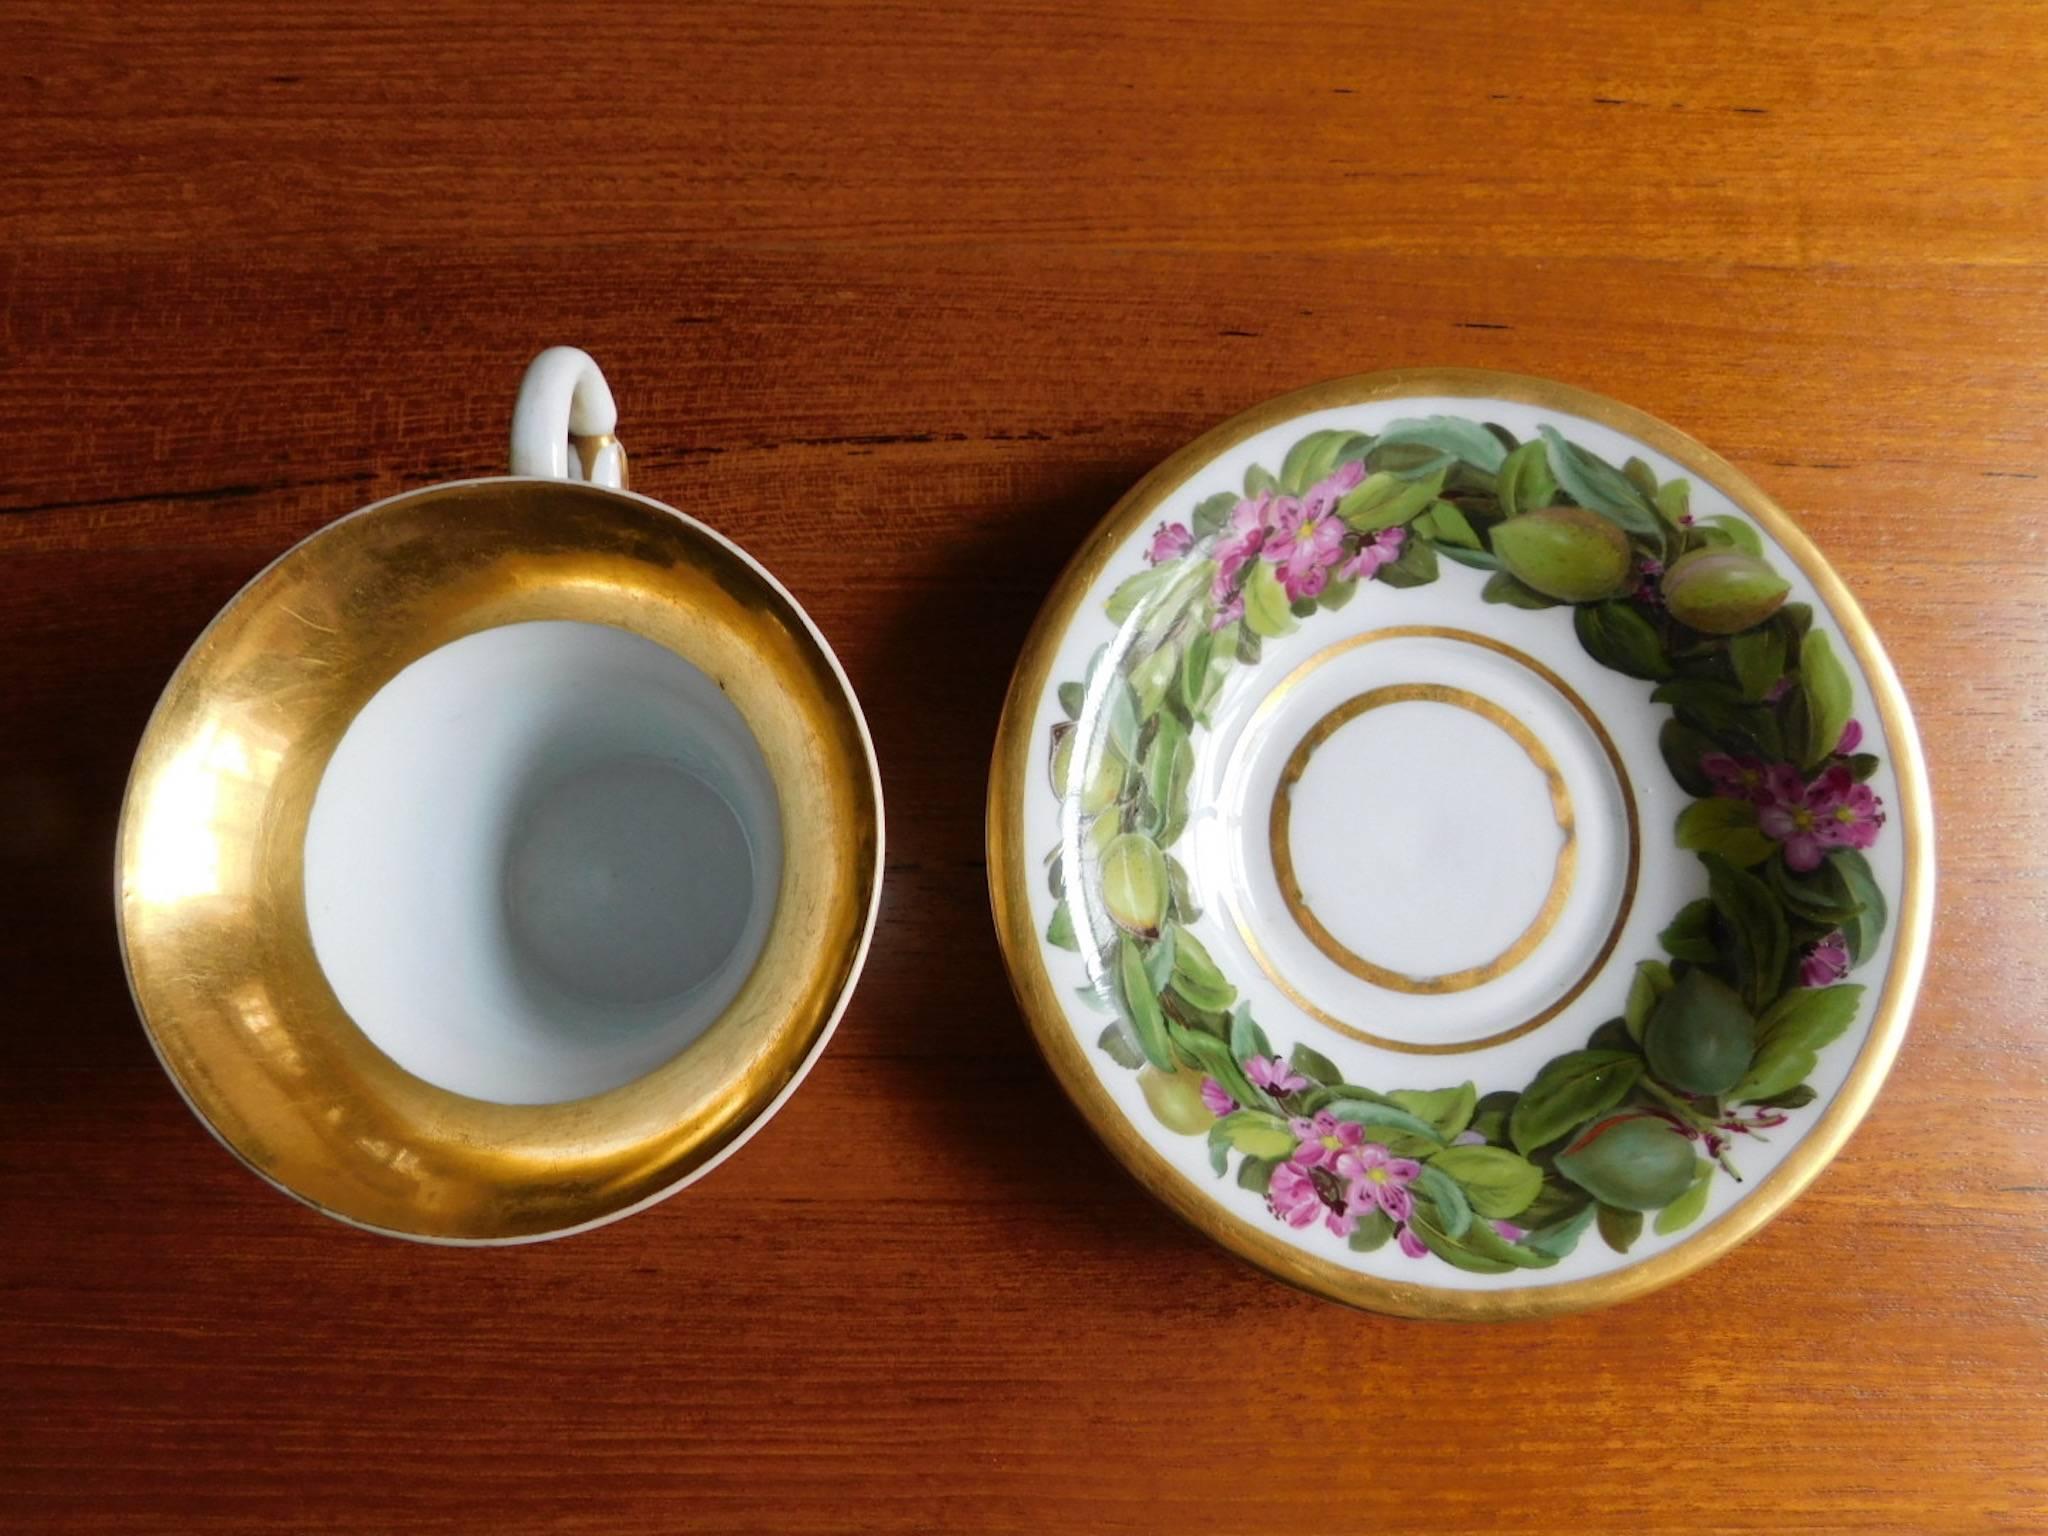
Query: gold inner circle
point(1290, 883)
point(1542, 1016)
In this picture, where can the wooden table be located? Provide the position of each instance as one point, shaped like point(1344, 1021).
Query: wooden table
point(903, 299)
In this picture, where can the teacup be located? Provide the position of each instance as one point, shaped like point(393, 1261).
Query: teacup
point(503, 855)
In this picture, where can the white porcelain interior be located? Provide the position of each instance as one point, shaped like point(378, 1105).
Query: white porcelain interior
point(542, 860)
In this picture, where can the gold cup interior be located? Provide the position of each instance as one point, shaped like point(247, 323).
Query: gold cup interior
point(210, 855)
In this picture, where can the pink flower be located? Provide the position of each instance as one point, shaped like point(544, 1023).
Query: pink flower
point(1229, 608)
point(1736, 778)
point(1380, 1178)
point(1323, 1139)
point(1169, 542)
point(1779, 689)
point(1852, 738)
point(1323, 496)
point(1382, 549)
point(1304, 544)
point(1826, 963)
point(1243, 536)
point(1509, 1232)
point(1301, 1196)
point(1274, 1075)
point(1412, 1245)
point(1216, 1099)
point(1833, 811)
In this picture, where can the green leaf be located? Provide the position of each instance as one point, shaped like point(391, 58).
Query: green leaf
point(1159, 960)
point(1256, 1173)
point(1214, 1058)
point(1476, 559)
point(1169, 765)
point(1829, 699)
point(1727, 827)
point(1790, 1036)
point(1071, 695)
point(1479, 1249)
point(1863, 932)
point(1382, 501)
point(1448, 1110)
point(1266, 609)
point(1454, 1212)
point(1411, 461)
point(1122, 719)
point(1384, 1116)
point(1194, 674)
point(1524, 482)
point(1133, 875)
point(1336, 594)
point(1598, 486)
point(1758, 656)
point(1451, 525)
point(1258, 480)
point(1152, 677)
point(1455, 435)
point(1490, 1120)
point(1639, 474)
point(1757, 922)
point(1116, 1043)
point(1246, 1038)
point(1141, 1006)
point(1691, 934)
point(1560, 1237)
point(1180, 895)
point(1309, 460)
point(1372, 1231)
point(1497, 1182)
point(1674, 501)
point(1256, 1133)
point(1616, 635)
point(1313, 1064)
point(1685, 1210)
point(1821, 898)
point(1739, 532)
point(1652, 980)
point(1416, 566)
point(1212, 512)
point(1683, 747)
point(1060, 931)
point(1570, 1090)
point(1196, 978)
point(1135, 590)
point(1502, 588)
point(1618, 1228)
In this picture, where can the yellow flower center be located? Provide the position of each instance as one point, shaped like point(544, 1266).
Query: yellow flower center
point(1377, 1175)
point(1803, 820)
point(1335, 1144)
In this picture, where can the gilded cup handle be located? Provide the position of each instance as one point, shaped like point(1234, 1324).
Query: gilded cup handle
point(564, 420)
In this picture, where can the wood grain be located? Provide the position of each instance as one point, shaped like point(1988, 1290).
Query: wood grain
point(902, 299)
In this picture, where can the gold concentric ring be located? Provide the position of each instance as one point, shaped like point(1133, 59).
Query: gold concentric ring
point(1624, 787)
point(1012, 867)
point(1279, 827)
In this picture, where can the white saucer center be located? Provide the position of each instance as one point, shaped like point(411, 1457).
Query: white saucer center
point(1424, 836)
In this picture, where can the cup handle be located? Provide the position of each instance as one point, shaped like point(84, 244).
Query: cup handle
point(564, 403)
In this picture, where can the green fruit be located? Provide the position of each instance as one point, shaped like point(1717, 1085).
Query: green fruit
point(1104, 784)
point(1634, 1161)
point(1722, 591)
point(1699, 1038)
point(1176, 1101)
point(1567, 553)
point(1134, 884)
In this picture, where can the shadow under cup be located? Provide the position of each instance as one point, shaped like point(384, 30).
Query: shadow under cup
point(497, 860)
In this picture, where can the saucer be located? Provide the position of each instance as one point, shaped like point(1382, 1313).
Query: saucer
point(1460, 845)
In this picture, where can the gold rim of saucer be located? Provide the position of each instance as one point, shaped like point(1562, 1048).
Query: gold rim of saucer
point(209, 889)
point(1010, 869)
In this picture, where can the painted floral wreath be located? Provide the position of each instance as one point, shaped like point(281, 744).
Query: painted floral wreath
point(1716, 1041)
